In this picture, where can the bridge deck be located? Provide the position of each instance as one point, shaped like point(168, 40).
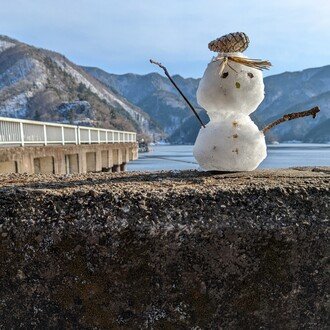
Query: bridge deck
point(28, 132)
point(39, 147)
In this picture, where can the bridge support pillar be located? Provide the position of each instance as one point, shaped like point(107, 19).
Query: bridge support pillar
point(98, 161)
point(60, 165)
point(26, 164)
point(82, 162)
point(8, 167)
point(67, 159)
point(115, 168)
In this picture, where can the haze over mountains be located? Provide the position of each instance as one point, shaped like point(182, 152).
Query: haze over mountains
point(284, 93)
point(154, 94)
point(44, 85)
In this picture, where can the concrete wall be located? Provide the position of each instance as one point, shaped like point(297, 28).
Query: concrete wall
point(170, 250)
point(44, 165)
point(8, 167)
point(67, 159)
point(72, 163)
point(105, 158)
point(91, 161)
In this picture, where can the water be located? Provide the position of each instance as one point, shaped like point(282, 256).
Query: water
point(173, 157)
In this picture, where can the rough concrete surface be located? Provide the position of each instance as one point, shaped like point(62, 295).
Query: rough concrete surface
point(165, 250)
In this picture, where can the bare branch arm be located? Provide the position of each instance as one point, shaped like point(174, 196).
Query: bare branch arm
point(178, 89)
point(290, 116)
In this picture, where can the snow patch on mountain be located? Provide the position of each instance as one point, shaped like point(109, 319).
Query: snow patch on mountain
point(16, 107)
point(20, 70)
point(78, 77)
point(110, 98)
point(5, 45)
point(175, 103)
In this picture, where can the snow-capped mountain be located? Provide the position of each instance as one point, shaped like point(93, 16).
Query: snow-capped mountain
point(297, 91)
point(44, 85)
point(284, 93)
point(154, 94)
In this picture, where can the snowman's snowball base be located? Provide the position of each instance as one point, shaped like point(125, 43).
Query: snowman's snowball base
point(232, 144)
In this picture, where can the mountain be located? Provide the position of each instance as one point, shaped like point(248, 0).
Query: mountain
point(284, 93)
point(154, 94)
point(43, 85)
point(188, 131)
point(297, 91)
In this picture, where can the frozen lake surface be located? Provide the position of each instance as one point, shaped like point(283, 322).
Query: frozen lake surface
point(180, 157)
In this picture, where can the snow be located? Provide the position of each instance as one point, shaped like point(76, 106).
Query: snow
point(81, 111)
point(26, 75)
point(5, 45)
point(109, 97)
point(231, 144)
point(17, 72)
point(236, 92)
point(230, 141)
point(175, 103)
point(16, 107)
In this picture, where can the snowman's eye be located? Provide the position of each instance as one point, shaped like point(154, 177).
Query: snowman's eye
point(225, 75)
point(250, 75)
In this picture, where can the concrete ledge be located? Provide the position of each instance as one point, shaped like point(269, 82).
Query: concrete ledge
point(180, 250)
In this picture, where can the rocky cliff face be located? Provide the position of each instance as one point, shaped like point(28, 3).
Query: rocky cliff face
point(44, 85)
point(188, 250)
point(284, 93)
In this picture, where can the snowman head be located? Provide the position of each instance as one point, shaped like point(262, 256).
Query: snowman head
point(231, 82)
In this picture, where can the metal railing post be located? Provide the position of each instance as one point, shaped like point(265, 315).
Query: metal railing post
point(22, 133)
point(63, 139)
point(76, 135)
point(45, 135)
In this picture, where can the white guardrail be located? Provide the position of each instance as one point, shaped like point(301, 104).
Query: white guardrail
point(28, 132)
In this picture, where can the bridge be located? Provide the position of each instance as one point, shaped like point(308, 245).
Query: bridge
point(28, 146)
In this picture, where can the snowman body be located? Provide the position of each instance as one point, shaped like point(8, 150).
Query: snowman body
point(230, 141)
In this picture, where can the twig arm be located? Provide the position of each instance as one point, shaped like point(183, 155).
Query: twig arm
point(312, 112)
point(178, 89)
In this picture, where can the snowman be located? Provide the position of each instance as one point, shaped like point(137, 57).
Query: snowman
point(231, 89)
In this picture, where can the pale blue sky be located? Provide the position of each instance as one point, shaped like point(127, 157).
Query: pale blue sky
point(120, 36)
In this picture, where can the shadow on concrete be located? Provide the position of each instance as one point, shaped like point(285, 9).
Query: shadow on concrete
point(91, 179)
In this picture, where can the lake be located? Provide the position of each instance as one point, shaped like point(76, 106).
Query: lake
point(180, 157)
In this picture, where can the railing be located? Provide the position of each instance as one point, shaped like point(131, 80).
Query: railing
point(27, 132)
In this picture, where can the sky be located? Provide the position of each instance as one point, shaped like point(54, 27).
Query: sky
point(119, 36)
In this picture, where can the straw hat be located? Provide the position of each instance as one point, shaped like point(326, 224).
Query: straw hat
point(230, 43)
